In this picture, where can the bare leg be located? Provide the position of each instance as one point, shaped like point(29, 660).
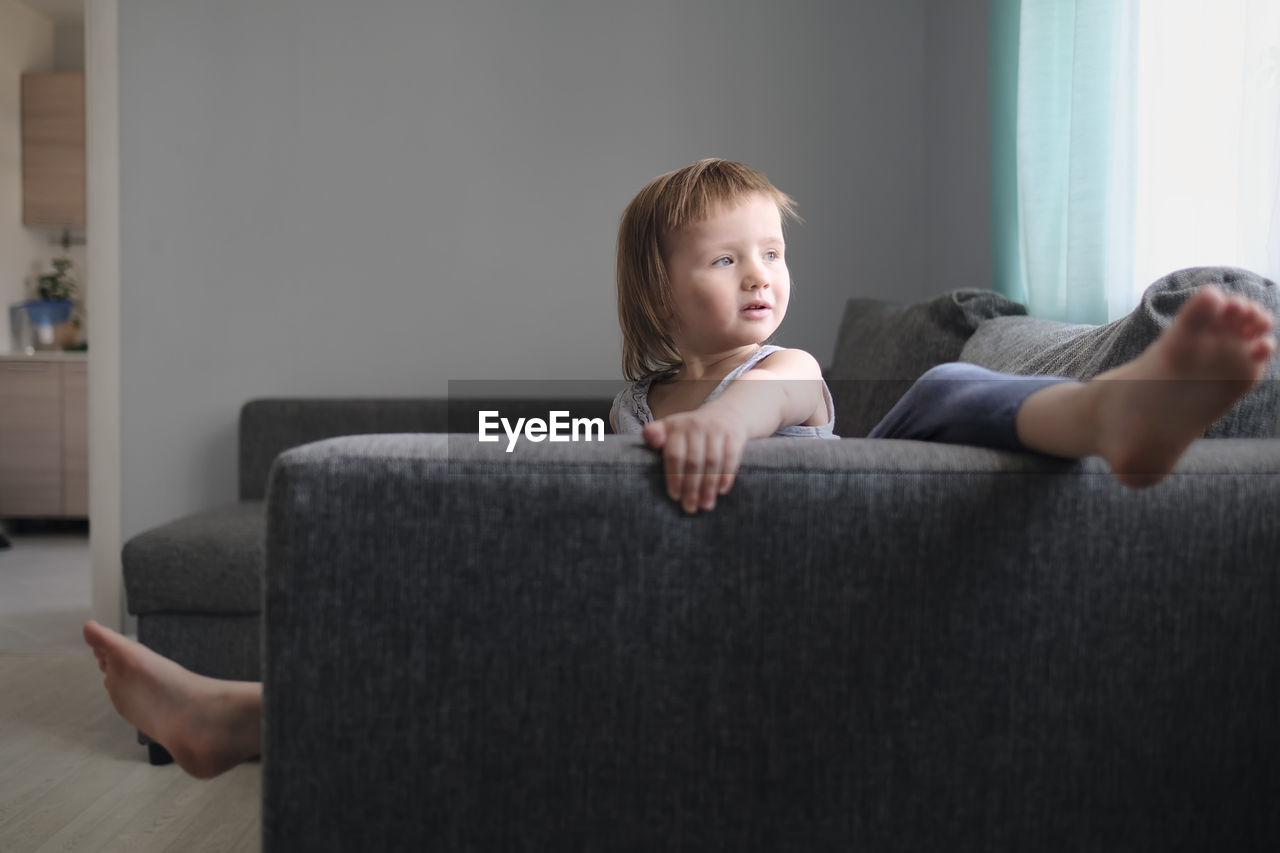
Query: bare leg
point(207, 724)
point(1143, 415)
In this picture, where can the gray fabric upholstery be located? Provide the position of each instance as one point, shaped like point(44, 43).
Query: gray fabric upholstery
point(1034, 346)
point(209, 562)
point(869, 645)
point(883, 347)
point(269, 427)
point(220, 645)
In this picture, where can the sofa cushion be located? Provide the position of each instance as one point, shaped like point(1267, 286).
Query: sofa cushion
point(882, 347)
point(210, 562)
point(1034, 346)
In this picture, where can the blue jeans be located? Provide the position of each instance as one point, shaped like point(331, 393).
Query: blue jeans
point(960, 403)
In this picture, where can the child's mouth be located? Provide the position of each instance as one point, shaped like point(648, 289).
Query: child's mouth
point(756, 310)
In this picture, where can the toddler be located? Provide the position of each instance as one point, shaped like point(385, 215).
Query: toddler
point(702, 284)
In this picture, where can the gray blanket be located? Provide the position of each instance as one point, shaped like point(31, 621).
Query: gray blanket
point(1035, 347)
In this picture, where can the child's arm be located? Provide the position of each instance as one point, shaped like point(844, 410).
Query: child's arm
point(702, 448)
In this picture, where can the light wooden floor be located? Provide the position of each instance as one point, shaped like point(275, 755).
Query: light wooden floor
point(72, 776)
point(45, 591)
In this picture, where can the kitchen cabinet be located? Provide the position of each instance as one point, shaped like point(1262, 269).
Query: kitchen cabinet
point(53, 150)
point(44, 438)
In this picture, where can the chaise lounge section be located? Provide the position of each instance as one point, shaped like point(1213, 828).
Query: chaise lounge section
point(195, 583)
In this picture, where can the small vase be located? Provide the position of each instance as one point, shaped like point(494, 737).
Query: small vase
point(50, 322)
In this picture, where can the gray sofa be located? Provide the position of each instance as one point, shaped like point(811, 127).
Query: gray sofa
point(873, 645)
point(867, 646)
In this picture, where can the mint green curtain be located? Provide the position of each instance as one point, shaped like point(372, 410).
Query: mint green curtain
point(1004, 22)
point(1059, 77)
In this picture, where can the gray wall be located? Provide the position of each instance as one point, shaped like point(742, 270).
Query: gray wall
point(329, 198)
point(957, 201)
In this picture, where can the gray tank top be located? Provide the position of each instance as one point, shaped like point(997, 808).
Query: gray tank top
point(631, 407)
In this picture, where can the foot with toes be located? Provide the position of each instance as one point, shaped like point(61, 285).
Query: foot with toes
point(1151, 409)
point(208, 725)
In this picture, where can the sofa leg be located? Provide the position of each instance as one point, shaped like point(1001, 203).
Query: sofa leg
point(158, 755)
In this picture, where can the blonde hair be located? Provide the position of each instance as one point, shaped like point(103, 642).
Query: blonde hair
point(666, 204)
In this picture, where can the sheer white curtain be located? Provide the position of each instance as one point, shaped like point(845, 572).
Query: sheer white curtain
point(1147, 136)
point(1206, 139)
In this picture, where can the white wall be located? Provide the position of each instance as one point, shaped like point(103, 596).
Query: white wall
point(102, 142)
point(325, 198)
point(26, 45)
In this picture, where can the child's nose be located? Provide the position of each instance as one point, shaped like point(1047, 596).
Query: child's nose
point(755, 276)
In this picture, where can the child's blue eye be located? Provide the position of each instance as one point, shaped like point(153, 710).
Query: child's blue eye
point(771, 255)
point(717, 262)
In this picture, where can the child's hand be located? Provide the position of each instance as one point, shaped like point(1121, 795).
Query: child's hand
point(701, 451)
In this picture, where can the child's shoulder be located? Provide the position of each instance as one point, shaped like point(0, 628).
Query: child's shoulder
point(790, 363)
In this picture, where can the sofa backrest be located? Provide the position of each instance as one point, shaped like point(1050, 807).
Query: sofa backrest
point(268, 427)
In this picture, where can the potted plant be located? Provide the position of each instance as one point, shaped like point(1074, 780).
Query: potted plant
point(50, 312)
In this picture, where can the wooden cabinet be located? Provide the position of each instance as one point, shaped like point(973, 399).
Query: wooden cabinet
point(44, 438)
point(53, 150)
point(75, 439)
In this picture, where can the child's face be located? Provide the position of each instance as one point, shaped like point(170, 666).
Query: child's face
point(729, 279)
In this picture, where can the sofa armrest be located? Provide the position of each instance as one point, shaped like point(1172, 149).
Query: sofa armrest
point(867, 645)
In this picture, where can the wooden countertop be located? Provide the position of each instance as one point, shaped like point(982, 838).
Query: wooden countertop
point(50, 355)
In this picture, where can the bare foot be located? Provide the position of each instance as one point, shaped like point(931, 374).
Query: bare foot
point(1151, 409)
point(208, 725)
